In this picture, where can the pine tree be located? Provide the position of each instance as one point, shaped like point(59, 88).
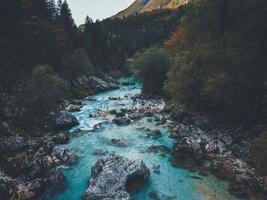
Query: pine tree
point(59, 5)
point(66, 17)
point(52, 10)
point(88, 20)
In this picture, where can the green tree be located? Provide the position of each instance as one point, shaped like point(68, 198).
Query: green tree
point(76, 65)
point(43, 94)
point(220, 62)
point(66, 18)
point(151, 66)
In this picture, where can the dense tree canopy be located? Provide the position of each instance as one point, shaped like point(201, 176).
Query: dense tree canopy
point(111, 42)
point(151, 66)
point(37, 33)
point(221, 60)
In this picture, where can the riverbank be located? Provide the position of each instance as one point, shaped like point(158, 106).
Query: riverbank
point(31, 161)
point(123, 122)
point(200, 147)
point(128, 124)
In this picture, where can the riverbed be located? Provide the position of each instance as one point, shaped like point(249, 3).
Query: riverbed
point(166, 182)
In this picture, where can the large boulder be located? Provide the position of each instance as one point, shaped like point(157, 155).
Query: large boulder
point(64, 156)
point(121, 121)
point(96, 84)
point(112, 178)
point(65, 120)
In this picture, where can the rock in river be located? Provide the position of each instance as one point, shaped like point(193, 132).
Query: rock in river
point(155, 134)
point(121, 120)
point(65, 120)
point(119, 142)
point(112, 178)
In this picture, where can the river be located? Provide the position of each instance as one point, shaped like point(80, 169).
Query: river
point(166, 181)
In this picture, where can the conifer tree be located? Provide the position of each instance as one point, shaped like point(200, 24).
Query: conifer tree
point(52, 10)
point(66, 17)
point(59, 5)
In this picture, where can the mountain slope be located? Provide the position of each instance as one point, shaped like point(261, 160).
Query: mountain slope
point(141, 6)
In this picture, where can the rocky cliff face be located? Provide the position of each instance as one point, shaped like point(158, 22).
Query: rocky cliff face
point(141, 6)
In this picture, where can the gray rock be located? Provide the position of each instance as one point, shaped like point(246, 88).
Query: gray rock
point(65, 120)
point(73, 108)
point(121, 120)
point(100, 85)
point(100, 152)
point(109, 79)
point(112, 178)
point(195, 147)
point(96, 84)
point(64, 155)
point(136, 116)
point(119, 142)
point(155, 134)
point(120, 114)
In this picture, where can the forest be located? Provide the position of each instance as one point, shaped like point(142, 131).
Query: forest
point(207, 59)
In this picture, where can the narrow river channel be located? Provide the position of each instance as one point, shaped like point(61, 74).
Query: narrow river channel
point(166, 182)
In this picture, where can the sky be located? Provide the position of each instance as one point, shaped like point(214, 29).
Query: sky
point(96, 9)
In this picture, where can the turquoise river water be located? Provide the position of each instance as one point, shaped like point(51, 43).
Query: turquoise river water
point(170, 184)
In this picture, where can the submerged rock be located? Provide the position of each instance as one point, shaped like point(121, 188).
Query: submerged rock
point(119, 142)
point(112, 178)
point(154, 195)
point(100, 152)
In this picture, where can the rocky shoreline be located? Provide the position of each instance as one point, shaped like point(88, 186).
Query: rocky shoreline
point(31, 164)
point(199, 146)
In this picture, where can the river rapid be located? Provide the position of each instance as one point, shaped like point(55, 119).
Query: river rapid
point(165, 183)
